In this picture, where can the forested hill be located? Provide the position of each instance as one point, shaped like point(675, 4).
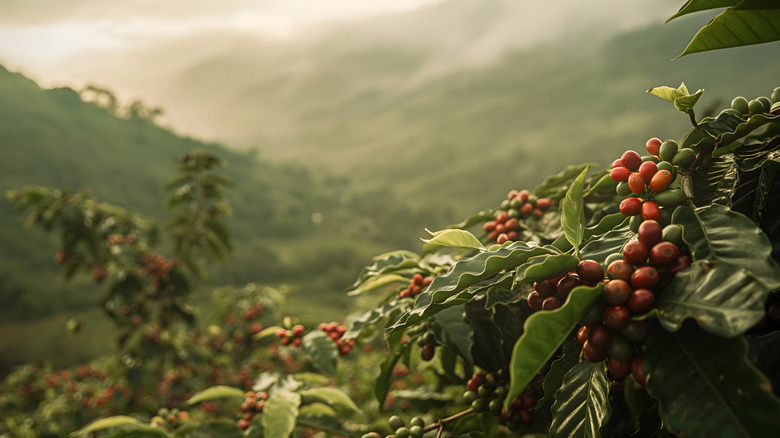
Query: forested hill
point(53, 138)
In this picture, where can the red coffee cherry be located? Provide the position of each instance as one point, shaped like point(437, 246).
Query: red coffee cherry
point(640, 301)
point(631, 160)
point(620, 269)
point(650, 233)
point(618, 163)
point(636, 183)
point(648, 169)
point(645, 277)
point(682, 262)
point(567, 283)
point(651, 211)
point(599, 335)
point(664, 254)
point(631, 206)
point(535, 301)
point(616, 292)
point(582, 334)
point(551, 303)
point(637, 371)
point(635, 252)
point(616, 317)
point(590, 271)
point(592, 353)
point(653, 146)
point(618, 369)
point(544, 288)
point(619, 174)
point(660, 181)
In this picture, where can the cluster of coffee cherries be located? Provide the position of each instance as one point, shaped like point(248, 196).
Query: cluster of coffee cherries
point(253, 405)
point(742, 107)
point(336, 332)
point(170, 418)
point(401, 430)
point(291, 336)
point(416, 285)
point(633, 279)
point(486, 393)
point(518, 205)
point(551, 294)
point(648, 181)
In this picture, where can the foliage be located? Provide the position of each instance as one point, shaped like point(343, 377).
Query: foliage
point(633, 301)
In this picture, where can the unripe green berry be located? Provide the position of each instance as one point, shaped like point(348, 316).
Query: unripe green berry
point(740, 104)
point(396, 422)
point(417, 421)
point(402, 432)
point(415, 432)
point(755, 106)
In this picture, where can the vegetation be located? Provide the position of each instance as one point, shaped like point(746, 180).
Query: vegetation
point(638, 300)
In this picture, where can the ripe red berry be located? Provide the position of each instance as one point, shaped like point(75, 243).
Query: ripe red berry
point(651, 211)
point(616, 292)
point(512, 224)
point(592, 353)
point(631, 160)
point(618, 163)
point(636, 183)
point(544, 288)
point(645, 277)
point(631, 206)
point(650, 233)
point(427, 352)
point(535, 301)
point(619, 174)
point(590, 271)
point(682, 262)
point(551, 303)
point(502, 239)
point(648, 169)
point(664, 254)
point(635, 252)
point(543, 203)
point(281, 333)
point(620, 269)
point(636, 370)
point(582, 334)
point(599, 335)
point(640, 301)
point(502, 217)
point(567, 283)
point(660, 181)
point(297, 330)
point(653, 146)
point(618, 369)
point(526, 209)
point(616, 317)
point(489, 226)
point(296, 342)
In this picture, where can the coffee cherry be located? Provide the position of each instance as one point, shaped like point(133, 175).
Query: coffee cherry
point(645, 277)
point(631, 206)
point(590, 271)
point(631, 160)
point(427, 352)
point(620, 269)
point(297, 330)
point(664, 254)
point(502, 239)
point(616, 317)
point(653, 146)
point(636, 331)
point(651, 211)
point(640, 301)
point(636, 370)
point(650, 233)
point(668, 150)
point(592, 353)
point(648, 169)
point(479, 405)
point(544, 288)
point(583, 333)
point(415, 432)
point(682, 263)
point(616, 292)
point(619, 174)
point(618, 369)
point(684, 157)
point(567, 283)
point(618, 163)
point(417, 421)
point(620, 348)
point(599, 335)
point(551, 303)
point(635, 252)
point(660, 181)
point(535, 301)
point(395, 422)
point(636, 183)
point(475, 382)
point(543, 203)
point(402, 432)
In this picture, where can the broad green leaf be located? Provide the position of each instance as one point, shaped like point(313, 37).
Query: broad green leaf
point(717, 233)
point(220, 428)
point(454, 238)
point(715, 184)
point(280, 413)
point(572, 212)
point(268, 331)
point(333, 397)
point(543, 333)
point(488, 348)
point(728, 129)
point(722, 298)
point(610, 243)
point(392, 261)
point(706, 386)
point(553, 380)
point(324, 423)
point(106, 423)
point(554, 186)
point(357, 324)
point(605, 184)
point(479, 218)
point(606, 224)
point(669, 93)
point(543, 267)
point(758, 166)
point(322, 351)
point(582, 403)
point(386, 371)
point(443, 291)
point(216, 392)
point(750, 22)
point(702, 5)
point(453, 331)
point(378, 281)
point(686, 103)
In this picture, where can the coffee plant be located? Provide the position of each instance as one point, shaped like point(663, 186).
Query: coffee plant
point(637, 300)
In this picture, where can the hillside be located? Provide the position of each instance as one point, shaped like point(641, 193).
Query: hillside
point(53, 138)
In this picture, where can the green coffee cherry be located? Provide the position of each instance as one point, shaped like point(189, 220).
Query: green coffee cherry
point(470, 396)
point(634, 222)
point(665, 165)
point(673, 233)
point(402, 432)
point(417, 421)
point(670, 198)
point(620, 348)
point(650, 158)
point(495, 406)
point(668, 149)
point(740, 104)
point(622, 189)
point(612, 257)
point(396, 422)
point(776, 95)
point(415, 432)
point(766, 102)
point(755, 106)
point(684, 157)
point(479, 405)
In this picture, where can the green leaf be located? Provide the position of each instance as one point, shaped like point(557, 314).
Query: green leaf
point(722, 298)
point(553, 380)
point(454, 238)
point(702, 5)
point(715, 184)
point(322, 350)
point(106, 423)
point(750, 22)
point(706, 386)
point(451, 330)
point(479, 218)
point(669, 93)
point(443, 292)
point(333, 397)
point(610, 243)
point(488, 347)
point(388, 262)
point(554, 186)
point(582, 403)
point(728, 129)
point(572, 212)
point(386, 372)
point(606, 224)
point(543, 334)
point(378, 281)
point(686, 103)
point(543, 267)
point(215, 392)
point(356, 324)
point(279, 414)
point(717, 233)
